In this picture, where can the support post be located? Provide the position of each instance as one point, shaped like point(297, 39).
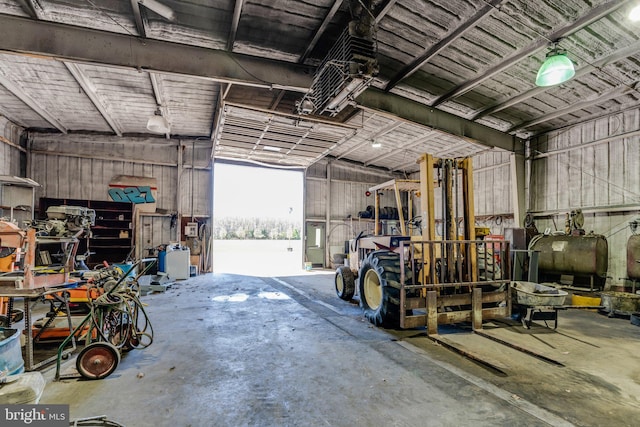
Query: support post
point(469, 214)
point(432, 313)
point(179, 192)
point(517, 164)
point(327, 259)
point(476, 309)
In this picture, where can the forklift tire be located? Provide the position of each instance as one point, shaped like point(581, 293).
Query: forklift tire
point(98, 360)
point(345, 283)
point(376, 294)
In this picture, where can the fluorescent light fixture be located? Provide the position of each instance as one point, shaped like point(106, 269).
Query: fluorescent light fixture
point(165, 11)
point(556, 69)
point(271, 148)
point(634, 15)
point(157, 123)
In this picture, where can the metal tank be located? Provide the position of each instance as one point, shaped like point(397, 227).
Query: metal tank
point(584, 256)
point(633, 257)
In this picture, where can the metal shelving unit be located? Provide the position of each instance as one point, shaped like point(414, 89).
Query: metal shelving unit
point(111, 238)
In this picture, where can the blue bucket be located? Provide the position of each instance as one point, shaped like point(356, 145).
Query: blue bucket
point(11, 360)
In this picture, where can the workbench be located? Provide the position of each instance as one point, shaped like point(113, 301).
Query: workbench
point(59, 296)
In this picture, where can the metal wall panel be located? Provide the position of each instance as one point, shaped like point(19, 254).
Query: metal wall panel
point(315, 198)
point(492, 183)
point(68, 177)
point(347, 171)
point(9, 155)
point(349, 184)
point(81, 167)
point(595, 167)
point(590, 172)
point(493, 199)
point(195, 196)
point(154, 231)
point(9, 160)
point(317, 170)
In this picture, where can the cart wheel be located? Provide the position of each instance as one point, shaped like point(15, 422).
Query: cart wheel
point(98, 360)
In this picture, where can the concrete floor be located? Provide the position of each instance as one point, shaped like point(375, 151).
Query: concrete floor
point(233, 350)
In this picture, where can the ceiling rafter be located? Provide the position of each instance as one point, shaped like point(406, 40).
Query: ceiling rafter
point(600, 63)
point(450, 149)
point(216, 132)
point(9, 117)
point(602, 97)
point(377, 100)
point(592, 16)
point(327, 19)
point(414, 66)
point(215, 119)
point(79, 44)
point(384, 10)
point(90, 90)
point(277, 99)
point(385, 130)
point(158, 93)
point(137, 14)
point(336, 145)
point(19, 92)
point(411, 144)
point(32, 8)
point(403, 166)
point(233, 31)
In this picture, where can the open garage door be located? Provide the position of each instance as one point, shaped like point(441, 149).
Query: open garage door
point(257, 224)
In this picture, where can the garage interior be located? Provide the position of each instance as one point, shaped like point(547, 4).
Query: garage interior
point(436, 125)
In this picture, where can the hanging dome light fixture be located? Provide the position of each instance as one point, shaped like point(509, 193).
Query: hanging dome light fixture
point(157, 123)
point(556, 69)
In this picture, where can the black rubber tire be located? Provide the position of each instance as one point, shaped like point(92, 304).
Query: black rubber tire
point(380, 301)
point(345, 283)
point(98, 360)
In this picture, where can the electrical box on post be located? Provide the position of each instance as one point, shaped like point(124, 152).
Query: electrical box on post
point(191, 229)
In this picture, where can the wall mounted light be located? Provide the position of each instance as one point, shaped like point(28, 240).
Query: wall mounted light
point(556, 69)
point(157, 123)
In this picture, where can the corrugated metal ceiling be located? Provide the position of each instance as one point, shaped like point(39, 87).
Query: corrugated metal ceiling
point(473, 59)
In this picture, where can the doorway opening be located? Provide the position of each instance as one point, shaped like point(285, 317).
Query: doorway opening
point(257, 220)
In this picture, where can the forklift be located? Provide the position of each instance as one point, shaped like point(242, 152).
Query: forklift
point(435, 271)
